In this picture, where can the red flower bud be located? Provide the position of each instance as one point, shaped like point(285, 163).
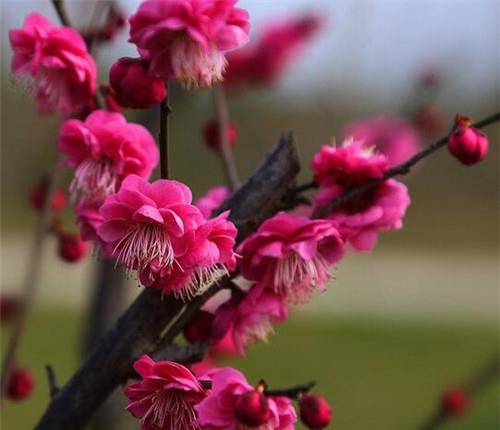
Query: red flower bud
point(21, 384)
point(212, 136)
point(252, 409)
point(455, 402)
point(467, 143)
point(133, 86)
point(315, 412)
point(38, 195)
point(199, 327)
point(9, 307)
point(71, 247)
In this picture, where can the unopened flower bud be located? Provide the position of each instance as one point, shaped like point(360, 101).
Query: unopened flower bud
point(199, 327)
point(315, 412)
point(455, 402)
point(38, 195)
point(9, 307)
point(71, 247)
point(252, 409)
point(467, 143)
point(212, 135)
point(133, 86)
point(21, 384)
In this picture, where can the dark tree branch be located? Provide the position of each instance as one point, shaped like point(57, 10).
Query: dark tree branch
point(61, 12)
point(401, 169)
point(163, 138)
point(140, 328)
point(292, 392)
point(484, 376)
point(51, 377)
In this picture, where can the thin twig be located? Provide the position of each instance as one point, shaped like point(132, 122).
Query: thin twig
point(51, 377)
point(163, 138)
point(292, 392)
point(401, 169)
point(32, 278)
point(61, 12)
point(484, 376)
point(225, 150)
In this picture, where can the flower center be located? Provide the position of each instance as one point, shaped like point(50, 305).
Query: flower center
point(169, 411)
point(94, 181)
point(143, 244)
point(201, 279)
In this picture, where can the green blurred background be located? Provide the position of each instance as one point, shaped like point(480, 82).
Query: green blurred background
point(396, 326)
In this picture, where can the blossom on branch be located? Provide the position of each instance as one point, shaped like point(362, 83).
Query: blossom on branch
point(104, 149)
point(165, 397)
point(234, 404)
point(467, 144)
point(54, 64)
point(292, 255)
point(187, 39)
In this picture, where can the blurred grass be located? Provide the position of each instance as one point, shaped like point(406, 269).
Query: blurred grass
point(377, 374)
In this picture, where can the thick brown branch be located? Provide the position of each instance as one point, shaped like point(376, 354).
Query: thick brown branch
point(139, 329)
point(401, 169)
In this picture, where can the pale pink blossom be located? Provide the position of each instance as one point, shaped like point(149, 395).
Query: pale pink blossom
point(394, 137)
point(249, 316)
point(55, 64)
point(350, 164)
point(265, 61)
point(218, 410)
point(104, 149)
point(165, 397)
point(292, 255)
point(212, 200)
point(361, 219)
point(188, 39)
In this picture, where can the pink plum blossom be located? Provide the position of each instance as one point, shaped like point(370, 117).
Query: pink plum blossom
point(467, 144)
point(292, 255)
point(212, 200)
point(218, 410)
point(249, 317)
point(350, 164)
point(165, 397)
point(55, 64)
point(103, 150)
point(265, 61)
point(155, 230)
point(188, 39)
point(394, 137)
point(361, 219)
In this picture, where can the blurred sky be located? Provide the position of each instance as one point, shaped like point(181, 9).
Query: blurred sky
point(376, 47)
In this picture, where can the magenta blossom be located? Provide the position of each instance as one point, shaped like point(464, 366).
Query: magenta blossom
point(218, 410)
point(361, 219)
point(212, 200)
point(104, 149)
point(350, 164)
point(165, 397)
point(249, 317)
point(292, 255)
point(265, 61)
point(467, 144)
point(394, 137)
point(187, 39)
point(208, 255)
point(55, 64)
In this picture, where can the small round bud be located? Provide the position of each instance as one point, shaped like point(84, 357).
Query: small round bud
point(71, 247)
point(21, 384)
point(455, 402)
point(252, 409)
point(199, 327)
point(38, 195)
point(9, 307)
point(467, 143)
point(133, 86)
point(315, 412)
point(212, 136)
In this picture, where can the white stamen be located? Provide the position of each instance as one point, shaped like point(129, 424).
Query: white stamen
point(202, 278)
point(94, 180)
